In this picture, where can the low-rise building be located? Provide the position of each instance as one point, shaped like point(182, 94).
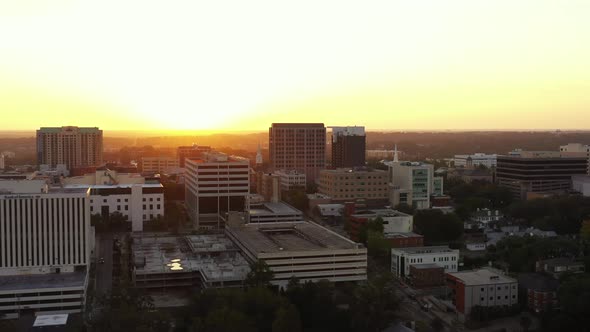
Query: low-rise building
point(540, 290)
point(302, 250)
point(484, 287)
point(208, 261)
point(557, 266)
point(403, 258)
point(404, 240)
point(159, 164)
point(426, 275)
point(485, 216)
point(345, 184)
point(475, 160)
point(393, 221)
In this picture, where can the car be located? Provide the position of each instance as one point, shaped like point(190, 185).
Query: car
point(101, 260)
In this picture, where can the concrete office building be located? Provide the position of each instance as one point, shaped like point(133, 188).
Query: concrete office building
point(576, 150)
point(413, 183)
point(159, 164)
point(215, 185)
point(130, 194)
point(45, 245)
point(191, 151)
point(403, 258)
point(475, 160)
point(354, 184)
point(348, 147)
point(529, 172)
point(298, 146)
point(485, 287)
point(291, 179)
point(72, 146)
point(268, 185)
point(301, 249)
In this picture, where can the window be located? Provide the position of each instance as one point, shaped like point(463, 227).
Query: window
point(482, 289)
point(491, 298)
point(158, 206)
point(118, 207)
point(126, 207)
point(126, 200)
point(144, 199)
point(151, 206)
point(158, 199)
point(118, 200)
point(104, 200)
point(144, 206)
point(151, 199)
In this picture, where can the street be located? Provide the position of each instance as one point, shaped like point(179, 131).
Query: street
point(104, 271)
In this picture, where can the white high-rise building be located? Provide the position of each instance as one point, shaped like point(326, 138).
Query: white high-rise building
point(45, 246)
point(216, 184)
point(72, 146)
point(413, 183)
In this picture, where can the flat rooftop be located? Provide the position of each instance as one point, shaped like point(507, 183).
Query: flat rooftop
point(107, 186)
point(289, 236)
point(214, 255)
point(380, 213)
point(425, 250)
point(267, 208)
point(482, 277)
point(401, 235)
point(42, 281)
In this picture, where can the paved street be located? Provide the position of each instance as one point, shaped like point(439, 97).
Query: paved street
point(104, 272)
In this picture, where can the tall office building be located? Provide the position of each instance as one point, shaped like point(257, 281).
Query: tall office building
point(216, 184)
point(413, 183)
point(527, 173)
point(45, 246)
point(73, 146)
point(348, 146)
point(298, 146)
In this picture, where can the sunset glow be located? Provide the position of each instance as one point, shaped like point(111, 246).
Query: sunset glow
point(240, 65)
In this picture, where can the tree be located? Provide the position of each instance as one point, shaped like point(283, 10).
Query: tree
point(287, 320)
point(525, 322)
point(437, 325)
point(227, 320)
point(375, 305)
point(260, 274)
point(574, 298)
point(438, 227)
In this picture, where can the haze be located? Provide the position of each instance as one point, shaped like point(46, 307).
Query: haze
point(240, 65)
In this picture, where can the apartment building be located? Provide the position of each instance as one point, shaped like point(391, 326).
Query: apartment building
point(298, 146)
point(215, 185)
point(72, 146)
point(403, 258)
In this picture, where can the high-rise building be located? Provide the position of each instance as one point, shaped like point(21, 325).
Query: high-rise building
point(215, 185)
point(72, 146)
point(529, 172)
point(190, 151)
point(298, 146)
point(348, 146)
point(45, 246)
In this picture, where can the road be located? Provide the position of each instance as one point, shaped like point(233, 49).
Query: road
point(104, 271)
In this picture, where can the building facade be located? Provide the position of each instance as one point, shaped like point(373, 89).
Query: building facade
point(484, 287)
point(576, 150)
point(159, 164)
point(215, 185)
point(348, 145)
point(532, 172)
point(45, 246)
point(298, 146)
point(72, 146)
point(393, 221)
point(345, 184)
point(403, 258)
point(191, 151)
point(475, 160)
point(413, 183)
point(291, 179)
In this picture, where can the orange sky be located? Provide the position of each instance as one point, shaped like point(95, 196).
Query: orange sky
point(241, 65)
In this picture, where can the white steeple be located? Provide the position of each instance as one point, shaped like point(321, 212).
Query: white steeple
point(395, 156)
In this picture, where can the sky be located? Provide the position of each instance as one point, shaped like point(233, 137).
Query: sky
point(241, 65)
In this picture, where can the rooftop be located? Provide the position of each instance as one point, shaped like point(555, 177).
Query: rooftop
point(50, 320)
point(37, 281)
point(354, 170)
point(425, 250)
point(289, 236)
point(268, 208)
point(107, 186)
point(401, 235)
point(214, 255)
point(482, 277)
point(380, 213)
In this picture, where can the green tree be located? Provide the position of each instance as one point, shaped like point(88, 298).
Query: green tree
point(228, 320)
point(375, 305)
point(287, 320)
point(574, 298)
point(438, 227)
point(260, 274)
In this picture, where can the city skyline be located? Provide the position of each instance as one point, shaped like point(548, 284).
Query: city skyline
point(457, 65)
